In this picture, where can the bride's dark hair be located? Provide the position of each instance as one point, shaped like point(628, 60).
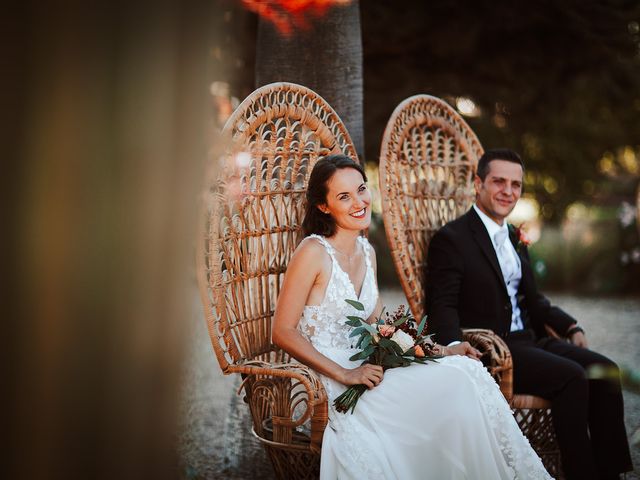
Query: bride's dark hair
point(315, 221)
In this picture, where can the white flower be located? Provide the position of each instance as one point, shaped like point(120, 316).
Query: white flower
point(403, 339)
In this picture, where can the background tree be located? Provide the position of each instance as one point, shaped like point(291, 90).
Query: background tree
point(322, 52)
point(557, 81)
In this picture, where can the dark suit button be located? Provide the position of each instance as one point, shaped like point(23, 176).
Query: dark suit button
point(507, 307)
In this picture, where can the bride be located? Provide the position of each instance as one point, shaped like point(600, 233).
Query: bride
point(445, 420)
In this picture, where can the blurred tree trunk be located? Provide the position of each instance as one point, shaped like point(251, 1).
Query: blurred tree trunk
point(326, 57)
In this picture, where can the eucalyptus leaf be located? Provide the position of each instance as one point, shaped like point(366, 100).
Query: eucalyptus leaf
point(386, 343)
point(370, 328)
point(355, 304)
point(353, 323)
point(356, 331)
point(369, 350)
point(423, 322)
point(401, 320)
point(396, 347)
point(390, 361)
point(358, 356)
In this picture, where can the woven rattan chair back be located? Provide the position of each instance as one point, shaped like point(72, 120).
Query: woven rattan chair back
point(427, 164)
point(252, 226)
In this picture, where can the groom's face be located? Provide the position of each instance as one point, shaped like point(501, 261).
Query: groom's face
point(501, 189)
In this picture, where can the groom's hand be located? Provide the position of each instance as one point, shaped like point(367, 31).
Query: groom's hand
point(466, 349)
point(579, 339)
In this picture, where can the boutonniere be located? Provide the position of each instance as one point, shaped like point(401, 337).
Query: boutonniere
point(519, 237)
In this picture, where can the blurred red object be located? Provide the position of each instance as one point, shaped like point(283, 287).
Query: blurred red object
point(288, 15)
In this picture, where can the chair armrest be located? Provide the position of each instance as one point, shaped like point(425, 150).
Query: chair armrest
point(277, 392)
point(496, 357)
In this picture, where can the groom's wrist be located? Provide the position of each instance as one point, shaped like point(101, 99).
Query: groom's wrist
point(573, 330)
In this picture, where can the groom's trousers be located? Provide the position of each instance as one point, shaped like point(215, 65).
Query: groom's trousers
point(587, 407)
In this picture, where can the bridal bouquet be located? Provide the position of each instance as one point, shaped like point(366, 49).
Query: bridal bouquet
point(392, 341)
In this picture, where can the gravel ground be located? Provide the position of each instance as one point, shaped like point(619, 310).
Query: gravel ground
point(216, 440)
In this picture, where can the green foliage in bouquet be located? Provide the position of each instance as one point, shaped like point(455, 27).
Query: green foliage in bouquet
point(392, 341)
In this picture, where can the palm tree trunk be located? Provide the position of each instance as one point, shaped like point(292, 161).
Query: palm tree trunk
point(326, 57)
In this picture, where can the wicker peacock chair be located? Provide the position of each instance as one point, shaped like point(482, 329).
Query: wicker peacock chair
point(427, 165)
point(250, 226)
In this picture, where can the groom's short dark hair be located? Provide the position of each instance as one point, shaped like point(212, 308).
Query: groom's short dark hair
point(496, 154)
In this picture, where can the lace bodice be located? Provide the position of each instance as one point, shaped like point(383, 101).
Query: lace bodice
point(324, 325)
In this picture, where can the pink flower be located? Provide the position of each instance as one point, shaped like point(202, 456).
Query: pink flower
point(523, 236)
point(519, 237)
point(386, 330)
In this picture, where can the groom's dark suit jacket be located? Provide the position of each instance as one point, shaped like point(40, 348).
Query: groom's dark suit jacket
point(465, 287)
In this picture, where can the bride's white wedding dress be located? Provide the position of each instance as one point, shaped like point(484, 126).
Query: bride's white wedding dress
point(435, 421)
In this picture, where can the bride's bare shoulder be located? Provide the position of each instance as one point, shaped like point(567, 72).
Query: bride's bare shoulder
point(310, 252)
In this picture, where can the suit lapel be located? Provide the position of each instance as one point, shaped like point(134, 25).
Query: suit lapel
point(481, 237)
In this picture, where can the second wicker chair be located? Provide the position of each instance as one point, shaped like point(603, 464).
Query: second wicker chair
point(427, 164)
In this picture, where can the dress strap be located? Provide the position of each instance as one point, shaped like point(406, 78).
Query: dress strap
point(325, 243)
point(366, 246)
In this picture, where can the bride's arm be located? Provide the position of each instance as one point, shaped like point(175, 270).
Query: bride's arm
point(303, 272)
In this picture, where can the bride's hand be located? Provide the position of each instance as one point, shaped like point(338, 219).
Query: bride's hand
point(464, 348)
point(367, 374)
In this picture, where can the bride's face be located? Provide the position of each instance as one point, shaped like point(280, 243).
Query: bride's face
point(348, 200)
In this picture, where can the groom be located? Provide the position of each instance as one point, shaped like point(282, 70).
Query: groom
point(479, 276)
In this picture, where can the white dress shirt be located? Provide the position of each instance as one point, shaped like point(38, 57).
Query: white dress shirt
point(509, 264)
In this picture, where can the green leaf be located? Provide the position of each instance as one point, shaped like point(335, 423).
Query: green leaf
point(401, 320)
point(354, 318)
point(353, 323)
point(391, 361)
point(396, 348)
point(357, 356)
point(356, 305)
point(423, 322)
point(361, 340)
point(364, 353)
point(369, 350)
point(370, 328)
point(357, 331)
